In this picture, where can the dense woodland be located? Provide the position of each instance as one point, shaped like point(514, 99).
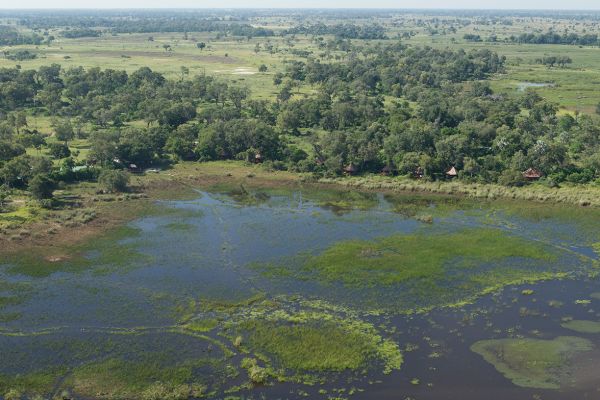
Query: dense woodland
point(393, 107)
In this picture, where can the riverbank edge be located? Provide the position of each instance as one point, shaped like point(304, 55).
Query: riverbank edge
point(185, 178)
point(575, 195)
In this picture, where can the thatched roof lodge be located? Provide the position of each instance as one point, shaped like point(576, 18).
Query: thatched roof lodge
point(133, 168)
point(532, 174)
point(452, 173)
point(350, 169)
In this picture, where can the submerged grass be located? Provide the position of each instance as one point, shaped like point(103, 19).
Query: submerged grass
point(119, 379)
point(179, 227)
point(108, 250)
point(126, 364)
point(202, 325)
point(582, 326)
point(534, 363)
point(32, 384)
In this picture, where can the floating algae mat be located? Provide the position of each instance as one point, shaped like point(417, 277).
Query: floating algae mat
point(534, 363)
point(309, 293)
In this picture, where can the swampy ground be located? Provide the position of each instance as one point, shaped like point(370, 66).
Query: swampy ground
point(288, 291)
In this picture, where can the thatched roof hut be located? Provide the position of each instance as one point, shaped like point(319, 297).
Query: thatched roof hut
point(532, 174)
point(350, 169)
point(452, 173)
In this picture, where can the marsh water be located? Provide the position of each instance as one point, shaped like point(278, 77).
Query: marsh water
point(231, 255)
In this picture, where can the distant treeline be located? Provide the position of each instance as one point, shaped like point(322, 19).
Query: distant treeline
point(343, 31)
point(80, 33)
point(555, 38)
point(187, 25)
point(82, 25)
point(11, 37)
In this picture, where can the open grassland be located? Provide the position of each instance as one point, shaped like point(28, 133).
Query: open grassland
point(232, 59)
point(574, 88)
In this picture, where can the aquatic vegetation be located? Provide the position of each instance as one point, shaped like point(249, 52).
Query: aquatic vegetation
point(428, 269)
point(119, 379)
point(582, 326)
point(108, 250)
point(256, 373)
point(133, 363)
point(341, 201)
point(9, 301)
point(179, 227)
point(555, 303)
point(201, 325)
point(31, 384)
point(422, 205)
point(236, 330)
point(535, 363)
point(401, 258)
point(309, 347)
point(295, 344)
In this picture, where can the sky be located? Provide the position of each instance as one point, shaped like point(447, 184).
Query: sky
point(455, 4)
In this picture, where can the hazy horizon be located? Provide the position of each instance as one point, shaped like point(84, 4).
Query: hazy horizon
point(575, 5)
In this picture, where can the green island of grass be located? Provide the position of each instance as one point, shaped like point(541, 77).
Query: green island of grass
point(534, 363)
point(582, 326)
point(303, 344)
point(431, 269)
point(401, 258)
point(118, 379)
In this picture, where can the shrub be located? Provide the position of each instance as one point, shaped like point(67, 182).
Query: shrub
point(511, 178)
point(113, 180)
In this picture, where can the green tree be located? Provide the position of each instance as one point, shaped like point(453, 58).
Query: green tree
point(63, 130)
point(4, 193)
point(41, 187)
point(59, 150)
point(113, 180)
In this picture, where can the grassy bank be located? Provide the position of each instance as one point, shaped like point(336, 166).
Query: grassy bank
point(579, 195)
